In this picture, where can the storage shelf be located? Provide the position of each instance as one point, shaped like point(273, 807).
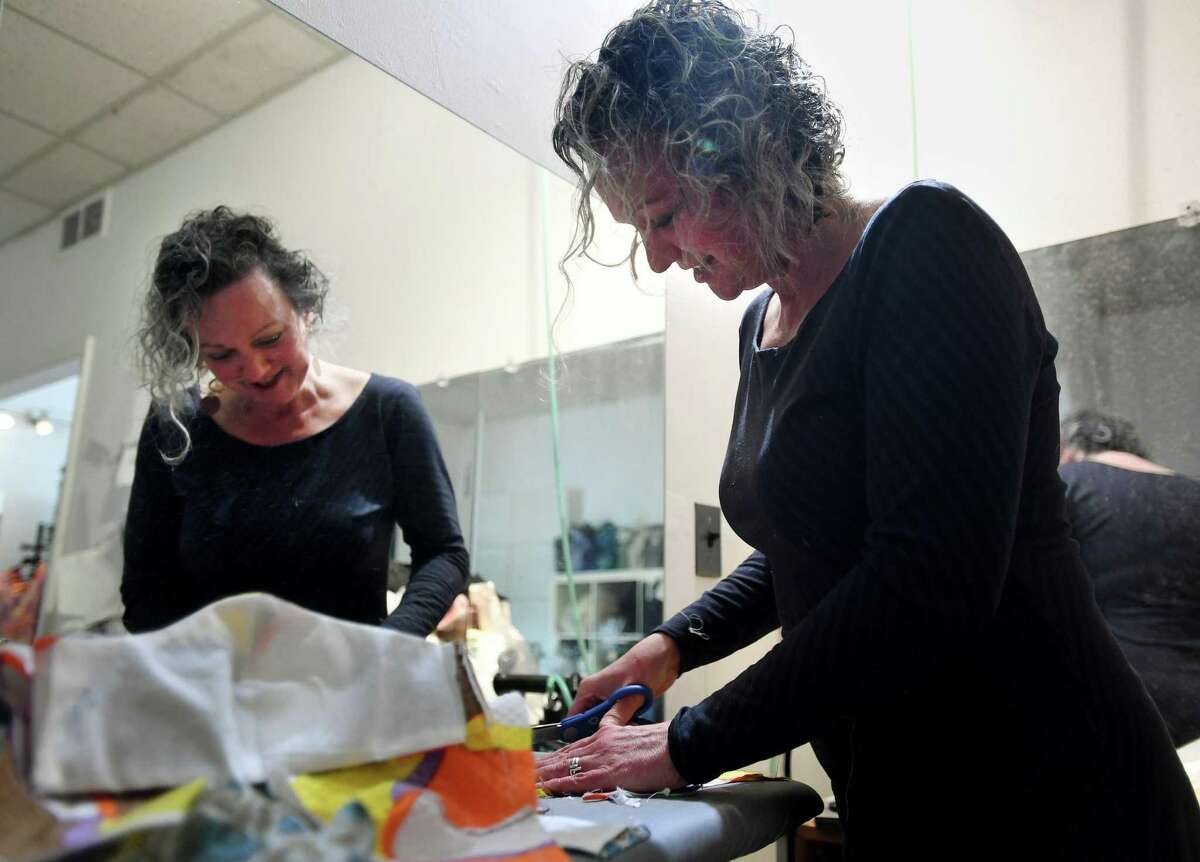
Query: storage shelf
point(611, 575)
point(641, 589)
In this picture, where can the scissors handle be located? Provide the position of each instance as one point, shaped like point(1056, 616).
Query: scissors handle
point(585, 724)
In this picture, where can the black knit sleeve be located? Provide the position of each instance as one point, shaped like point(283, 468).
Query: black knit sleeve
point(948, 351)
point(425, 512)
point(735, 613)
point(149, 586)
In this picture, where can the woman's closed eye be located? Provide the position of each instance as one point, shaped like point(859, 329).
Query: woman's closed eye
point(222, 355)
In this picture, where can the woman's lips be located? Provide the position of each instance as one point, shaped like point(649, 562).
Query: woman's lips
point(702, 272)
point(270, 383)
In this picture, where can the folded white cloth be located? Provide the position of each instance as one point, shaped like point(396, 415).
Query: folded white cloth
point(1190, 755)
point(238, 690)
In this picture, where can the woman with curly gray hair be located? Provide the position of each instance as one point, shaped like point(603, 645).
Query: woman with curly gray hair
point(290, 474)
point(893, 461)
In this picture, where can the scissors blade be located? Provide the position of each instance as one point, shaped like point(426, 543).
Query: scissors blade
point(547, 732)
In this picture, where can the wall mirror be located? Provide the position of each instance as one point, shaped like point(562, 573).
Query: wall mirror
point(442, 245)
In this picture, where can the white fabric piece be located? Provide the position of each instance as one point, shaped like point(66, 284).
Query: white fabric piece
point(243, 688)
point(1190, 755)
point(427, 836)
point(508, 709)
point(582, 835)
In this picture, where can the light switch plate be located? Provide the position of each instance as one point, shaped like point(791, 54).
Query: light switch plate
point(708, 541)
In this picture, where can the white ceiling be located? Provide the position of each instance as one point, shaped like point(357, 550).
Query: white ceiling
point(91, 91)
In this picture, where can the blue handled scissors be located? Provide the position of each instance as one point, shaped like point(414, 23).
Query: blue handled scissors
point(585, 724)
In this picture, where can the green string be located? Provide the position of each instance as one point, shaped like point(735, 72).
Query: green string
point(557, 683)
point(585, 656)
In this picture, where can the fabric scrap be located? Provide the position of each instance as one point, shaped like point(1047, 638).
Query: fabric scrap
point(602, 840)
point(736, 776)
point(229, 693)
point(617, 795)
point(471, 800)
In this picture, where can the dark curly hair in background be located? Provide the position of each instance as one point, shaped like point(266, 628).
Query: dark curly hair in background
point(210, 251)
point(1093, 431)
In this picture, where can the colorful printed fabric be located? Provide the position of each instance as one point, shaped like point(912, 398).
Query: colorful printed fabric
point(471, 801)
point(227, 824)
point(19, 600)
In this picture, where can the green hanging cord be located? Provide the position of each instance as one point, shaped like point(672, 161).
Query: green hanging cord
point(912, 91)
point(554, 682)
point(585, 654)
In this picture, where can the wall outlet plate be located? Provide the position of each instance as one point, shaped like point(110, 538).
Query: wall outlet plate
point(708, 541)
point(1189, 214)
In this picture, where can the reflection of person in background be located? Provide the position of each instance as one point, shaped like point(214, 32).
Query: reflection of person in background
point(290, 476)
point(1138, 527)
point(892, 458)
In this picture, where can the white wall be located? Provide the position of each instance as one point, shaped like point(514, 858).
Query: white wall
point(431, 230)
point(1064, 119)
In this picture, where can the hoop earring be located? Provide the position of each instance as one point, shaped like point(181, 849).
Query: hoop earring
point(211, 403)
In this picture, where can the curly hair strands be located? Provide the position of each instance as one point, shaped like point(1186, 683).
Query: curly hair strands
point(1092, 431)
point(687, 84)
point(210, 251)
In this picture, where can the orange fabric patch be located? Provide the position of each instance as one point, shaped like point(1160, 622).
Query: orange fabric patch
point(506, 775)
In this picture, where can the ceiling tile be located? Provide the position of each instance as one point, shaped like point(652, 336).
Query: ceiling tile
point(17, 214)
point(18, 141)
point(63, 175)
point(149, 35)
point(49, 80)
point(266, 56)
point(146, 127)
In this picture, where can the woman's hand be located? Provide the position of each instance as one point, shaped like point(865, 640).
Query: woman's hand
point(652, 661)
point(633, 757)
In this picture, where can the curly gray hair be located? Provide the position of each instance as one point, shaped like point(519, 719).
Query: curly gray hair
point(210, 251)
point(725, 108)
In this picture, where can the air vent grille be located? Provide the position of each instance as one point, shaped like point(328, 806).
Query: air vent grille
point(84, 222)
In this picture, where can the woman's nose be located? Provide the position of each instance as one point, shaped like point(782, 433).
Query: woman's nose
point(256, 368)
point(660, 254)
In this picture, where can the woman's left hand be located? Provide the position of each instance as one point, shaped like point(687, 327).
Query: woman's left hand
point(633, 757)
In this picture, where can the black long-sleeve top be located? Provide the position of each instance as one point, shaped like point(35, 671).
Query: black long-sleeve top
point(1139, 535)
point(894, 465)
point(309, 521)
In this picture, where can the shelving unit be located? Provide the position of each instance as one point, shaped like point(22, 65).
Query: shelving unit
point(617, 606)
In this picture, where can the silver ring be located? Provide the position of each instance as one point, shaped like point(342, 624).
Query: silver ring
point(573, 766)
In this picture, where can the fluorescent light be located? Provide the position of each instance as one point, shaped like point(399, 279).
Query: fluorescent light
point(6, 421)
point(43, 427)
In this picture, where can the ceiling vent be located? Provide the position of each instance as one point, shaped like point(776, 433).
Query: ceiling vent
point(85, 222)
